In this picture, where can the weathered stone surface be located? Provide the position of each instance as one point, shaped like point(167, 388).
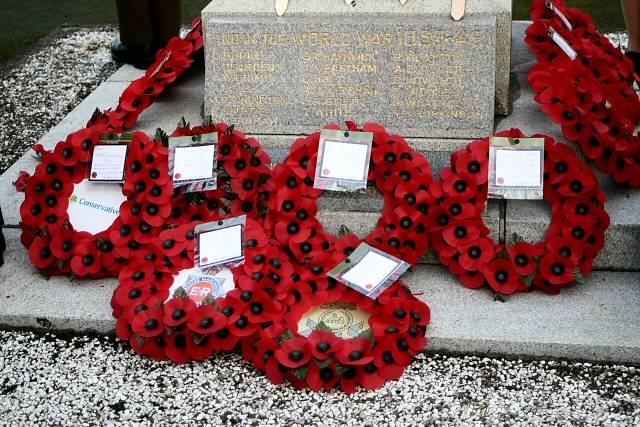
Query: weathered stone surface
point(427, 75)
point(382, 9)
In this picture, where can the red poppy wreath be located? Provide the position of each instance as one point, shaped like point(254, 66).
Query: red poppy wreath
point(574, 238)
point(278, 286)
point(591, 97)
point(161, 325)
point(54, 246)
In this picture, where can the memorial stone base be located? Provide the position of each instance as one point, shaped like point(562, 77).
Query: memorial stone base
point(411, 67)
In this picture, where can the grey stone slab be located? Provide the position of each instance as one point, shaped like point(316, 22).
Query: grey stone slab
point(29, 300)
point(126, 73)
point(597, 322)
point(293, 75)
point(501, 9)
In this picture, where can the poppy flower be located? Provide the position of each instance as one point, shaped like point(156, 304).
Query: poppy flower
point(66, 154)
point(148, 323)
point(502, 277)
point(136, 273)
point(145, 86)
point(40, 253)
point(155, 347)
point(86, 259)
point(369, 376)
point(176, 347)
point(522, 254)
point(355, 351)
point(559, 245)
point(385, 359)
point(457, 185)
point(476, 254)
point(462, 233)
point(205, 320)
point(322, 378)
point(294, 353)
point(200, 347)
point(324, 343)
point(557, 269)
point(177, 311)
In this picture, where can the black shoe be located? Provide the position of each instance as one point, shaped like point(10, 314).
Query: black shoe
point(635, 58)
point(140, 56)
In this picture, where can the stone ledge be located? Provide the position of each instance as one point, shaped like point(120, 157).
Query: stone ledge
point(595, 322)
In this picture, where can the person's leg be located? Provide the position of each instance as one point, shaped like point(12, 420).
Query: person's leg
point(166, 17)
point(136, 33)
point(631, 12)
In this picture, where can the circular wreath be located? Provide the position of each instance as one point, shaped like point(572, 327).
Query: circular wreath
point(277, 285)
point(55, 246)
point(163, 326)
point(574, 238)
point(592, 97)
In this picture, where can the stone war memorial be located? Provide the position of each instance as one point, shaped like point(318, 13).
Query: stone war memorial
point(337, 187)
point(409, 66)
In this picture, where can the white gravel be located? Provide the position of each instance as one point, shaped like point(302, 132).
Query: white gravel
point(47, 380)
point(46, 85)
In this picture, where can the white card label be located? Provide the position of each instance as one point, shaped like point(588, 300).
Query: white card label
point(561, 15)
point(371, 271)
point(342, 160)
point(218, 246)
point(194, 162)
point(108, 162)
point(93, 207)
point(518, 168)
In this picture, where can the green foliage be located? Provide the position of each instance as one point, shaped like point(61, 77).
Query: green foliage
point(367, 333)
point(578, 277)
point(183, 123)
point(529, 280)
point(500, 297)
point(161, 136)
point(343, 231)
point(321, 326)
point(515, 239)
point(300, 372)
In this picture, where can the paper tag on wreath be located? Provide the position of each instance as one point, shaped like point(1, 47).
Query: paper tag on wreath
point(516, 168)
point(193, 164)
point(200, 286)
point(369, 270)
point(220, 244)
point(343, 160)
point(109, 158)
point(562, 43)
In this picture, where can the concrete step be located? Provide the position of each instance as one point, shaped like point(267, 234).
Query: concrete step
point(596, 322)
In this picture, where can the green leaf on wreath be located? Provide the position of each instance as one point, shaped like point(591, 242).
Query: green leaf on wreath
point(515, 239)
point(96, 115)
point(180, 293)
point(287, 335)
point(229, 130)
point(528, 280)
point(253, 150)
point(367, 333)
point(183, 123)
point(300, 372)
point(161, 136)
point(208, 121)
point(500, 297)
point(264, 178)
point(503, 254)
point(223, 174)
point(321, 326)
point(579, 277)
point(197, 338)
point(324, 363)
point(341, 369)
point(210, 300)
point(343, 231)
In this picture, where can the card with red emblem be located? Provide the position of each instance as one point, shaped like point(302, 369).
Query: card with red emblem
point(108, 159)
point(193, 162)
point(220, 244)
point(516, 168)
point(369, 270)
point(343, 160)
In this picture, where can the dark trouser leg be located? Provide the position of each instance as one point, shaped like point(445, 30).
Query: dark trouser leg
point(135, 21)
point(3, 243)
point(165, 17)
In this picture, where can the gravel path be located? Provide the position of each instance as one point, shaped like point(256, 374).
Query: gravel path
point(49, 380)
point(46, 85)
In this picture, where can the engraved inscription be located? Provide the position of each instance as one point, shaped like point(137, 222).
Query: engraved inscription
point(293, 77)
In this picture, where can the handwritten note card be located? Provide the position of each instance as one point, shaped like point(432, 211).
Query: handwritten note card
point(343, 160)
point(108, 162)
point(515, 168)
point(194, 162)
